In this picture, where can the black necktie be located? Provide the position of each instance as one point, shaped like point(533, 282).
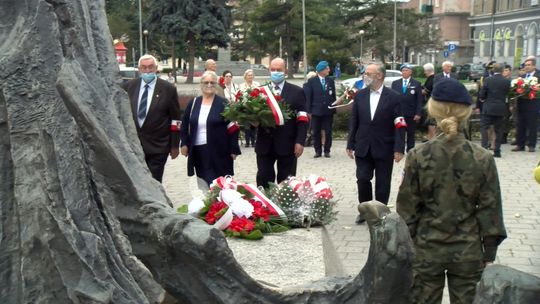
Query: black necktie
point(141, 114)
point(277, 89)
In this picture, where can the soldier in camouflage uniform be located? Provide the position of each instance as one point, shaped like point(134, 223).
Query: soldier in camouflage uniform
point(451, 201)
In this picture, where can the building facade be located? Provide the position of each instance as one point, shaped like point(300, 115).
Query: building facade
point(449, 19)
point(505, 30)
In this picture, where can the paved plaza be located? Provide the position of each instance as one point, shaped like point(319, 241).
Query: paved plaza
point(521, 202)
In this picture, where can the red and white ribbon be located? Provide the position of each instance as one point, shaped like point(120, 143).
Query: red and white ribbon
point(225, 182)
point(175, 125)
point(399, 122)
point(266, 201)
point(233, 127)
point(274, 106)
point(301, 116)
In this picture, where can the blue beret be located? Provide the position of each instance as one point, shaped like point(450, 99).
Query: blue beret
point(451, 90)
point(405, 66)
point(321, 66)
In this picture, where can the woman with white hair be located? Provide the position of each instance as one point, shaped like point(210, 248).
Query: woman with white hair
point(250, 132)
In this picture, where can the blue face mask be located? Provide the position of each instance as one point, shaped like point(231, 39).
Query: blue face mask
point(277, 77)
point(148, 77)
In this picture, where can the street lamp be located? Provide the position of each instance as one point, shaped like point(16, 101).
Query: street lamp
point(145, 41)
point(304, 37)
point(361, 32)
point(395, 24)
point(140, 29)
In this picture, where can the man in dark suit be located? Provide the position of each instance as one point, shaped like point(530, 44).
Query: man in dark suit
point(282, 144)
point(527, 112)
point(320, 93)
point(411, 101)
point(446, 73)
point(376, 135)
point(156, 112)
point(493, 96)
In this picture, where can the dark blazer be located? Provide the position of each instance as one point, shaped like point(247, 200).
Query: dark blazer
point(317, 99)
point(156, 135)
point(441, 75)
point(281, 139)
point(412, 100)
point(379, 137)
point(220, 143)
point(493, 93)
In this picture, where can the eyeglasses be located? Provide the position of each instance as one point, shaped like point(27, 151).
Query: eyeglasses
point(208, 83)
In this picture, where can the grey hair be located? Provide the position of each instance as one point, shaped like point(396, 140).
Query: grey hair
point(428, 67)
point(246, 72)
point(497, 68)
point(380, 67)
point(148, 56)
point(447, 63)
point(209, 73)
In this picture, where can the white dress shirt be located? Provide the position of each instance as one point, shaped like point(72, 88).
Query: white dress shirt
point(374, 97)
point(151, 87)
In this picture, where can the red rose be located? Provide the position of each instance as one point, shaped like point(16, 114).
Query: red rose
point(278, 97)
point(520, 81)
point(254, 93)
point(532, 95)
point(260, 211)
point(240, 224)
point(520, 90)
point(534, 88)
point(221, 81)
point(215, 212)
point(238, 95)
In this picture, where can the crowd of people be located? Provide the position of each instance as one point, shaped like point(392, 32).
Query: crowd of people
point(450, 195)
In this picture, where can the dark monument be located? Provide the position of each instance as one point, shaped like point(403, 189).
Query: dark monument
point(82, 220)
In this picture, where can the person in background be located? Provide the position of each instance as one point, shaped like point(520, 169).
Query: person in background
point(283, 145)
point(493, 95)
point(411, 101)
point(446, 72)
point(320, 93)
point(230, 88)
point(207, 139)
point(488, 72)
point(170, 78)
point(156, 112)
point(450, 198)
point(427, 88)
point(509, 122)
point(211, 65)
point(376, 136)
point(527, 112)
point(337, 71)
point(250, 132)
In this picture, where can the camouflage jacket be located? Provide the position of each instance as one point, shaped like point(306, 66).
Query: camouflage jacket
point(451, 201)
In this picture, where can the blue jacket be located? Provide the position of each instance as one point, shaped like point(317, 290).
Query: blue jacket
point(219, 141)
point(317, 99)
point(412, 100)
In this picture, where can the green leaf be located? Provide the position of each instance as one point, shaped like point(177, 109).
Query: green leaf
point(182, 209)
point(254, 235)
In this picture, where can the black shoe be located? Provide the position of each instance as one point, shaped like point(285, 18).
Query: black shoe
point(513, 143)
point(359, 220)
point(531, 149)
point(247, 145)
point(327, 155)
point(317, 155)
point(518, 148)
point(496, 154)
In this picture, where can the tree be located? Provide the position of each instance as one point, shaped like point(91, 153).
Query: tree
point(202, 22)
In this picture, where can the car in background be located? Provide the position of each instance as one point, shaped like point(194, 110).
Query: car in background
point(259, 70)
point(128, 73)
point(470, 71)
point(391, 75)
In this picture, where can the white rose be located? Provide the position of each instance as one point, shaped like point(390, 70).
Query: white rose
point(195, 206)
point(242, 208)
point(229, 195)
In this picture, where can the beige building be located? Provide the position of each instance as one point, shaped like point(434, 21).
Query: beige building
point(449, 19)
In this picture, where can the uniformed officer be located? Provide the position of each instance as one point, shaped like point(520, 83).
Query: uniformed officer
point(451, 201)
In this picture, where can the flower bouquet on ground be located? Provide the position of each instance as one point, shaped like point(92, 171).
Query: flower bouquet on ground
point(259, 107)
point(238, 209)
point(523, 87)
point(306, 201)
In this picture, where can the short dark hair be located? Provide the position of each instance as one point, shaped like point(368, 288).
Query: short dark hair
point(226, 72)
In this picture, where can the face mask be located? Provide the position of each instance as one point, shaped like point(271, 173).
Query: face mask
point(148, 77)
point(368, 80)
point(277, 77)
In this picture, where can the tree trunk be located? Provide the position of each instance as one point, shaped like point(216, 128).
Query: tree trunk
point(192, 45)
point(173, 58)
point(80, 210)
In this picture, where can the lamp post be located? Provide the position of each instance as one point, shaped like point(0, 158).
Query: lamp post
point(140, 30)
point(361, 32)
point(145, 41)
point(395, 24)
point(304, 37)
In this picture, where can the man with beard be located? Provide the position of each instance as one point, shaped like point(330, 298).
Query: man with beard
point(376, 135)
